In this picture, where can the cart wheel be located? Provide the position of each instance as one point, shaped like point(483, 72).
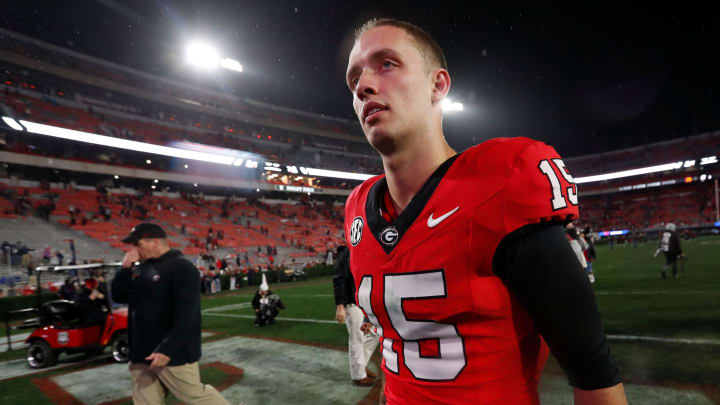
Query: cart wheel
point(120, 348)
point(40, 355)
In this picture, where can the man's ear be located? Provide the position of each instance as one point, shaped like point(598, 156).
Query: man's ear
point(441, 85)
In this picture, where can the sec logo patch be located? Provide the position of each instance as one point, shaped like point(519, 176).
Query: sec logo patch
point(356, 231)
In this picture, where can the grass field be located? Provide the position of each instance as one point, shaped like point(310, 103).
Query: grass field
point(665, 333)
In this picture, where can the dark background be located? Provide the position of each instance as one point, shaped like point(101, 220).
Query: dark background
point(585, 79)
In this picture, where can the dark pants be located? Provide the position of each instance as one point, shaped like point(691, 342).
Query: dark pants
point(670, 260)
point(266, 315)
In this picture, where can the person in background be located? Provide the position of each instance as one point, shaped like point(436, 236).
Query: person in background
point(360, 345)
point(670, 246)
point(590, 253)
point(579, 246)
point(267, 305)
point(162, 290)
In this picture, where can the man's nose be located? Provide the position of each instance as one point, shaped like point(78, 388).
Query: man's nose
point(367, 84)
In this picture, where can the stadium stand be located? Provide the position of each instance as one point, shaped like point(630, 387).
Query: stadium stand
point(51, 85)
point(300, 230)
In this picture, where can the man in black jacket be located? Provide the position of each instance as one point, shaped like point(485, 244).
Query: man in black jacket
point(163, 293)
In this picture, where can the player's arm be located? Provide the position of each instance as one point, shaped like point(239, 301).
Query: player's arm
point(540, 268)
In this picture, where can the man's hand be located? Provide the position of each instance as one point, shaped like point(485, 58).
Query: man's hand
point(340, 313)
point(614, 395)
point(130, 258)
point(158, 360)
point(366, 327)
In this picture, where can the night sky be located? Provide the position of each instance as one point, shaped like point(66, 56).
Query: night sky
point(593, 78)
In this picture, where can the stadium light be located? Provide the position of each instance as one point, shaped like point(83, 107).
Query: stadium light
point(230, 157)
point(64, 133)
point(335, 174)
point(613, 233)
point(449, 106)
point(13, 124)
point(231, 64)
point(202, 55)
point(628, 173)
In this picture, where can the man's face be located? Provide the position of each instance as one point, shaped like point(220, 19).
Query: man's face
point(146, 248)
point(391, 86)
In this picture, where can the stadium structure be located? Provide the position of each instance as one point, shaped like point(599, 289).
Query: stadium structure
point(73, 123)
point(89, 148)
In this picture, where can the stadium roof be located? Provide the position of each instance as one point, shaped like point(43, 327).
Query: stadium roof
point(586, 79)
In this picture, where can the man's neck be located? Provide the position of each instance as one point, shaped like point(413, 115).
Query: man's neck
point(406, 171)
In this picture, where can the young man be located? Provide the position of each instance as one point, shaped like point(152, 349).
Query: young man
point(163, 294)
point(460, 260)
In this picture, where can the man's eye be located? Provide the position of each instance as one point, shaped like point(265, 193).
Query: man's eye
point(387, 64)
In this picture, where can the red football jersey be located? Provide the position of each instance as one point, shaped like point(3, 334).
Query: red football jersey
point(450, 330)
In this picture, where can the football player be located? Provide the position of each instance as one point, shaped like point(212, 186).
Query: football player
point(460, 260)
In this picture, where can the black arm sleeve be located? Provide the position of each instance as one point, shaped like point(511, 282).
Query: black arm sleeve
point(540, 268)
point(120, 286)
point(342, 277)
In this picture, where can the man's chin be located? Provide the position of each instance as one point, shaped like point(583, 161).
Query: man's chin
point(381, 141)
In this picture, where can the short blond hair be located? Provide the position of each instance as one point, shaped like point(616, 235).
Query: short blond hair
point(426, 44)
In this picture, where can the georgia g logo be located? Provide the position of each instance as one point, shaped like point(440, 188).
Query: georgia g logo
point(356, 231)
point(389, 236)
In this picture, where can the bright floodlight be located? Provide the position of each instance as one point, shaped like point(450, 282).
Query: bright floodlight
point(202, 55)
point(448, 105)
point(231, 64)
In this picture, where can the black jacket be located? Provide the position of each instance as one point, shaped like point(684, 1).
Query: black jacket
point(164, 308)
point(256, 300)
point(343, 282)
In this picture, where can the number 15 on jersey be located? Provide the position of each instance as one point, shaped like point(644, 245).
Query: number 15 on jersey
point(399, 287)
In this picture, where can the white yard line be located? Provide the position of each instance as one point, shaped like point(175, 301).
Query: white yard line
point(227, 307)
point(690, 292)
point(611, 337)
point(279, 318)
point(714, 342)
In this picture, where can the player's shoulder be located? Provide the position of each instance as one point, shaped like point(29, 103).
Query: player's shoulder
point(357, 196)
point(493, 163)
point(504, 151)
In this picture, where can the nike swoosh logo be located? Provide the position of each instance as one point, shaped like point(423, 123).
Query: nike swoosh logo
point(433, 222)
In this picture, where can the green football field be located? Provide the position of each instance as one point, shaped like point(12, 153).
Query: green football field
point(665, 333)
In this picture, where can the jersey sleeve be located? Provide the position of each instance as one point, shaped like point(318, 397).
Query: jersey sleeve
point(540, 189)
